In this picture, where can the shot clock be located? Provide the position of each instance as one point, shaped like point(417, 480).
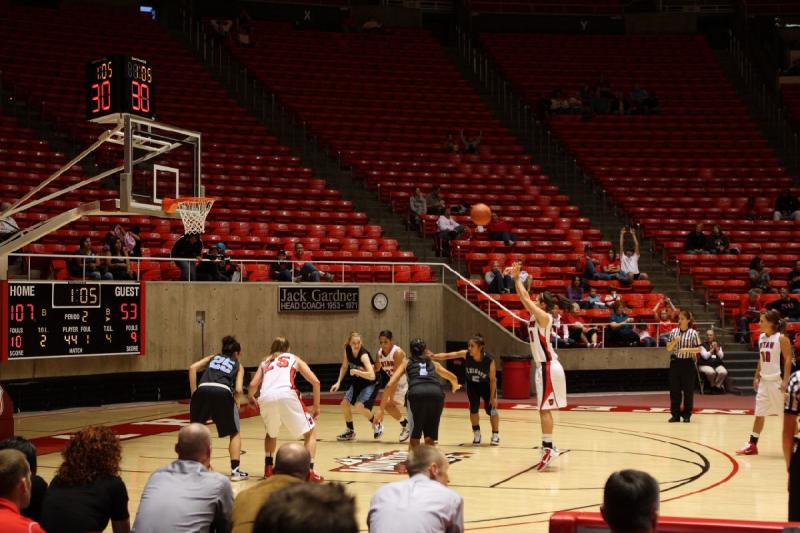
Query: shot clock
point(63, 319)
point(119, 84)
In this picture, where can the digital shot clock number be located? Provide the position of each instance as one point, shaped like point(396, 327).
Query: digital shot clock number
point(119, 84)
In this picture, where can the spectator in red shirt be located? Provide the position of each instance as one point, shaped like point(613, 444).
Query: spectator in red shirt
point(500, 230)
point(15, 493)
point(611, 264)
point(666, 315)
point(750, 313)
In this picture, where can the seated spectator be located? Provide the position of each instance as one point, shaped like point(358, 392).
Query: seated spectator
point(759, 276)
point(230, 271)
point(87, 268)
point(303, 268)
point(211, 266)
point(631, 502)
point(449, 229)
point(651, 104)
point(638, 97)
point(8, 226)
point(372, 25)
point(421, 503)
point(793, 278)
point(498, 282)
point(666, 316)
point(15, 493)
point(718, 242)
point(588, 265)
point(87, 491)
point(222, 27)
point(307, 507)
point(611, 298)
point(292, 464)
point(38, 488)
point(186, 495)
point(629, 258)
point(500, 230)
point(575, 290)
point(787, 207)
point(450, 145)
point(135, 235)
point(593, 301)
point(645, 339)
point(471, 145)
point(574, 332)
point(281, 270)
point(417, 207)
point(750, 314)
point(611, 264)
point(435, 202)
point(788, 307)
point(620, 331)
point(696, 241)
point(186, 252)
point(116, 260)
point(710, 363)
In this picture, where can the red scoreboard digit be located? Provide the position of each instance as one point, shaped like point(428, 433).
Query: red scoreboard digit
point(119, 84)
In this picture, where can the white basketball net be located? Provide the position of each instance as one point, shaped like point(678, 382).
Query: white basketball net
point(193, 212)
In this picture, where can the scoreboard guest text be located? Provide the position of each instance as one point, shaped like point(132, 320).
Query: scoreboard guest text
point(70, 319)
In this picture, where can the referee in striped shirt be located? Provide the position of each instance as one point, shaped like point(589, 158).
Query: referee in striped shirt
point(791, 446)
point(683, 344)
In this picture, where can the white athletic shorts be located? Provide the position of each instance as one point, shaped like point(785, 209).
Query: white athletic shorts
point(400, 392)
point(769, 398)
point(551, 386)
point(288, 409)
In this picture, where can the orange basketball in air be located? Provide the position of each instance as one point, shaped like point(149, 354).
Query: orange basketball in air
point(481, 214)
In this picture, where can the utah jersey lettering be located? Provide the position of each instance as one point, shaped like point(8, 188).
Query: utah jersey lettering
point(387, 361)
point(769, 350)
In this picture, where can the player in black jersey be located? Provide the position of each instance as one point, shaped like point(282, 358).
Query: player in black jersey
point(357, 362)
point(425, 397)
point(217, 397)
point(481, 377)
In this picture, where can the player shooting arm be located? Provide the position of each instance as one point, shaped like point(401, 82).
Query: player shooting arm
point(399, 372)
point(194, 369)
point(786, 350)
point(369, 373)
point(539, 314)
point(460, 354)
point(787, 438)
point(493, 384)
point(312, 378)
point(342, 372)
point(449, 376)
point(255, 384)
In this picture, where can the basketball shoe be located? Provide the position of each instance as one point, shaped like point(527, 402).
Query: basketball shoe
point(377, 430)
point(548, 454)
point(347, 435)
point(268, 470)
point(749, 449)
point(238, 475)
point(405, 433)
point(313, 477)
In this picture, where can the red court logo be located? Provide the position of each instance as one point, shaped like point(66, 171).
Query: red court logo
point(385, 463)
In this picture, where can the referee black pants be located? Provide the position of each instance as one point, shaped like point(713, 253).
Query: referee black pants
point(794, 485)
point(682, 375)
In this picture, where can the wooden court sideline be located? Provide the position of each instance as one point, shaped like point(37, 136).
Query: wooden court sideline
point(699, 474)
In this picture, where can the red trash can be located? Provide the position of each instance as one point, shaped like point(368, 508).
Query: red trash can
point(516, 376)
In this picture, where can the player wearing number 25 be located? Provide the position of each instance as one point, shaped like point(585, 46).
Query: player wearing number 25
point(217, 396)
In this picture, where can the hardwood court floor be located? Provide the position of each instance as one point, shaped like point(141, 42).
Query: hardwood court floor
point(695, 463)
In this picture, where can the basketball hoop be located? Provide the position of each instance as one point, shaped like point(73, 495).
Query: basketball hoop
point(192, 209)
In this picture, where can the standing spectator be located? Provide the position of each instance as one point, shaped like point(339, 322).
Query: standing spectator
point(620, 331)
point(718, 242)
point(759, 276)
point(135, 235)
point(186, 252)
point(793, 278)
point(307, 507)
point(611, 264)
point(449, 229)
point(281, 270)
point(575, 290)
point(421, 503)
point(683, 345)
point(87, 491)
point(471, 145)
point(450, 145)
point(630, 502)
point(434, 201)
point(292, 464)
point(38, 484)
point(15, 493)
point(186, 495)
point(629, 258)
point(749, 314)
point(497, 282)
point(418, 206)
point(304, 269)
point(788, 307)
point(88, 268)
point(786, 207)
point(500, 230)
point(711, 366)
point(696, 241)
point(8, 226)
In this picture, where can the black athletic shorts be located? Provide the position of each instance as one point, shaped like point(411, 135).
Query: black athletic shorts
point(477, 392)
point(425, 405)
point(794, 484)
point(217, 404)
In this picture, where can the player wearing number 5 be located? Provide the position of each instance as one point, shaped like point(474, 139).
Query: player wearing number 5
point(279, 402)
point(217, 397)
point(769, 384)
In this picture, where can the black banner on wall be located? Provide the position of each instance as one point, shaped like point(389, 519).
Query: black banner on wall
point(318, 299)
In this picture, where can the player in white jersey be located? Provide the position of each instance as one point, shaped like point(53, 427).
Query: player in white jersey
point(551, 384)
point(389, 357)
point(768, 382)
point(279, 402)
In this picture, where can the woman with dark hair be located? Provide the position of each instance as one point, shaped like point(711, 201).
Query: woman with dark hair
point(87, 491)
point(357, 361)
point(575, 290)
point(218, 395)
point(683, 343)
point(116, 259)
point(481, 378)
point(771, 376)
point(425, 397)
point(759, 276)
point(390, 356)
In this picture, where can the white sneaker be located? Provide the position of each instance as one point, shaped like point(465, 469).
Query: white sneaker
point(405, 433)
point(238, 475)
point(476, 438)
point(495, 439)
point(548, 454)
point(377, 430)
point(347, 435)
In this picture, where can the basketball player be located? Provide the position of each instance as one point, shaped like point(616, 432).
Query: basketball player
point(279, 402)
point(217, 397)
point(551, 384)
point(481, 378)
point(425, 397)
point(390, 356)
point(363, 389)
point(772, 344)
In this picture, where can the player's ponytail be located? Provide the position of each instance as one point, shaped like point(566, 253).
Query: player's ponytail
point(279, 345)
point(774, 317)
point(418, 348)
point(230, 346)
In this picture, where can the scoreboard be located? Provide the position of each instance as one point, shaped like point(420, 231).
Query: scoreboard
point(70, 319)
point(119, 84)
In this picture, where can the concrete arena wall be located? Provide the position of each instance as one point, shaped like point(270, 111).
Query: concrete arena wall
point(250, 312)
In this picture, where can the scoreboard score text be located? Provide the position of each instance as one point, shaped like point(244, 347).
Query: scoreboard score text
point(63, 319)
point(119, 84)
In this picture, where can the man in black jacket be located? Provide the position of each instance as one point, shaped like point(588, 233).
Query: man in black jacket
point(189, 248)
point(696, 241)
point(788, 307)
